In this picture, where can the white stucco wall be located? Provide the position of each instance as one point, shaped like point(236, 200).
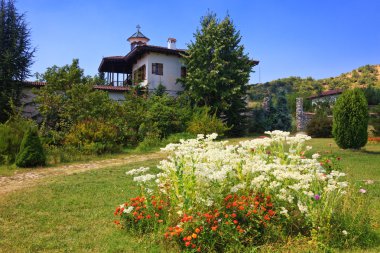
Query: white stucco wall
point(116, 95)
point(171, 71)
point(330, 99)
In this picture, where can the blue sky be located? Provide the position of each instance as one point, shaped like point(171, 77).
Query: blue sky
point(317, 38)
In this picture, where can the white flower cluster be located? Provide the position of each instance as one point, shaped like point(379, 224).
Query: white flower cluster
point(137, 171)
point(200, 170)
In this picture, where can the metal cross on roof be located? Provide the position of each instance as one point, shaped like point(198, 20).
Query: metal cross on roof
point(138, 27)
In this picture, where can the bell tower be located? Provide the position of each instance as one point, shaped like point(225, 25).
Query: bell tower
point(138, 39)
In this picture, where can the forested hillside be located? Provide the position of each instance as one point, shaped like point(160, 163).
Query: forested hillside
point(364, 77)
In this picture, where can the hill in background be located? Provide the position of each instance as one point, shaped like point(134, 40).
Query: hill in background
point(365, 76)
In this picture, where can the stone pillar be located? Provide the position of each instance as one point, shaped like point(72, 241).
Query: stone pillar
point(300, 117)
point(266, 101)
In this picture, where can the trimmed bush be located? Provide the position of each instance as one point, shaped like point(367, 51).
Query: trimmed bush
point(31, 151)
point(351, 120)
point(320, 126)
point(204, 123)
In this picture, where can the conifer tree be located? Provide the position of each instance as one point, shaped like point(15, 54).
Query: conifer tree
point(218, 70)
point(16, 55)
point(282, 119)
point(350, 120)
point(31, 152)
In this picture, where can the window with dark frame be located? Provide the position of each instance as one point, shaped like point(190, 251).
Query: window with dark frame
point(158, 69)
point(139, 74)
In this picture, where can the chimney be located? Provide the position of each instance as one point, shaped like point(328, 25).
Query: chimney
point(171, 43)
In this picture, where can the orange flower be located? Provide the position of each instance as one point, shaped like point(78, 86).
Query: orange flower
point(197, 230)
point(236, 222)
point(214, 228)
point(226, 216)
point(241, 208)
point(188, 238)
point(194, 235)
point(187, 244)
point(160, 221)
point(233, 215)
point(266, 217)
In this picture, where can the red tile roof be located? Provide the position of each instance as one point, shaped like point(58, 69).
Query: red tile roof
point(96, 87)
point(34, 84)
point(111, 88)
point(327, 93)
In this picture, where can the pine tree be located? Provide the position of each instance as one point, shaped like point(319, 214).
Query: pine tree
point(282, 119)
point(16, 55)
point(31, 152)
point(218, 70)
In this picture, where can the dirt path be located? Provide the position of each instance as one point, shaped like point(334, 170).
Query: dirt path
point(28, 179)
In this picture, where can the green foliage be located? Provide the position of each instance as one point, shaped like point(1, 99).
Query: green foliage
point(160, 90)
point(258, 121)
point(204, 122)
point(63, 78)
point(16, 55)
point(31, 152)
point(320, 126)
point(351, 120)
point(93, 136)
point(372, 95)
point(11, 135)
point(218, 70)
point(69, 98)
point(166, 115)
point(281, 118)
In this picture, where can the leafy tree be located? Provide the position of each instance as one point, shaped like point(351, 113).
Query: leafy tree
point(69, 98)
point(31, 151)
point(351, 120)
point(218, 70)
point(16, 54)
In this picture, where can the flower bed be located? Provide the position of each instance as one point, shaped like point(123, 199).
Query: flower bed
point(210, 196)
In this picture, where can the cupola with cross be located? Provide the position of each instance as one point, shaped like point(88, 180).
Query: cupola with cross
point(138, 39)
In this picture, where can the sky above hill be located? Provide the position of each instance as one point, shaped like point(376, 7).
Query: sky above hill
point(303, 38)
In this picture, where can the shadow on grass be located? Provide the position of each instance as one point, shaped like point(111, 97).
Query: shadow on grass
point(371, 152)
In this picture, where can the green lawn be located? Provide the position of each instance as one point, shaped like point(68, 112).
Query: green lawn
point(75, 213)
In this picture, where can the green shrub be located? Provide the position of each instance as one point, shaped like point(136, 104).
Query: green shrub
point(93, 137)
point(166, 114)
point(320, 126)
point(351, 120)
point(31, 152)
point(11, 134)
point(204, 123)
